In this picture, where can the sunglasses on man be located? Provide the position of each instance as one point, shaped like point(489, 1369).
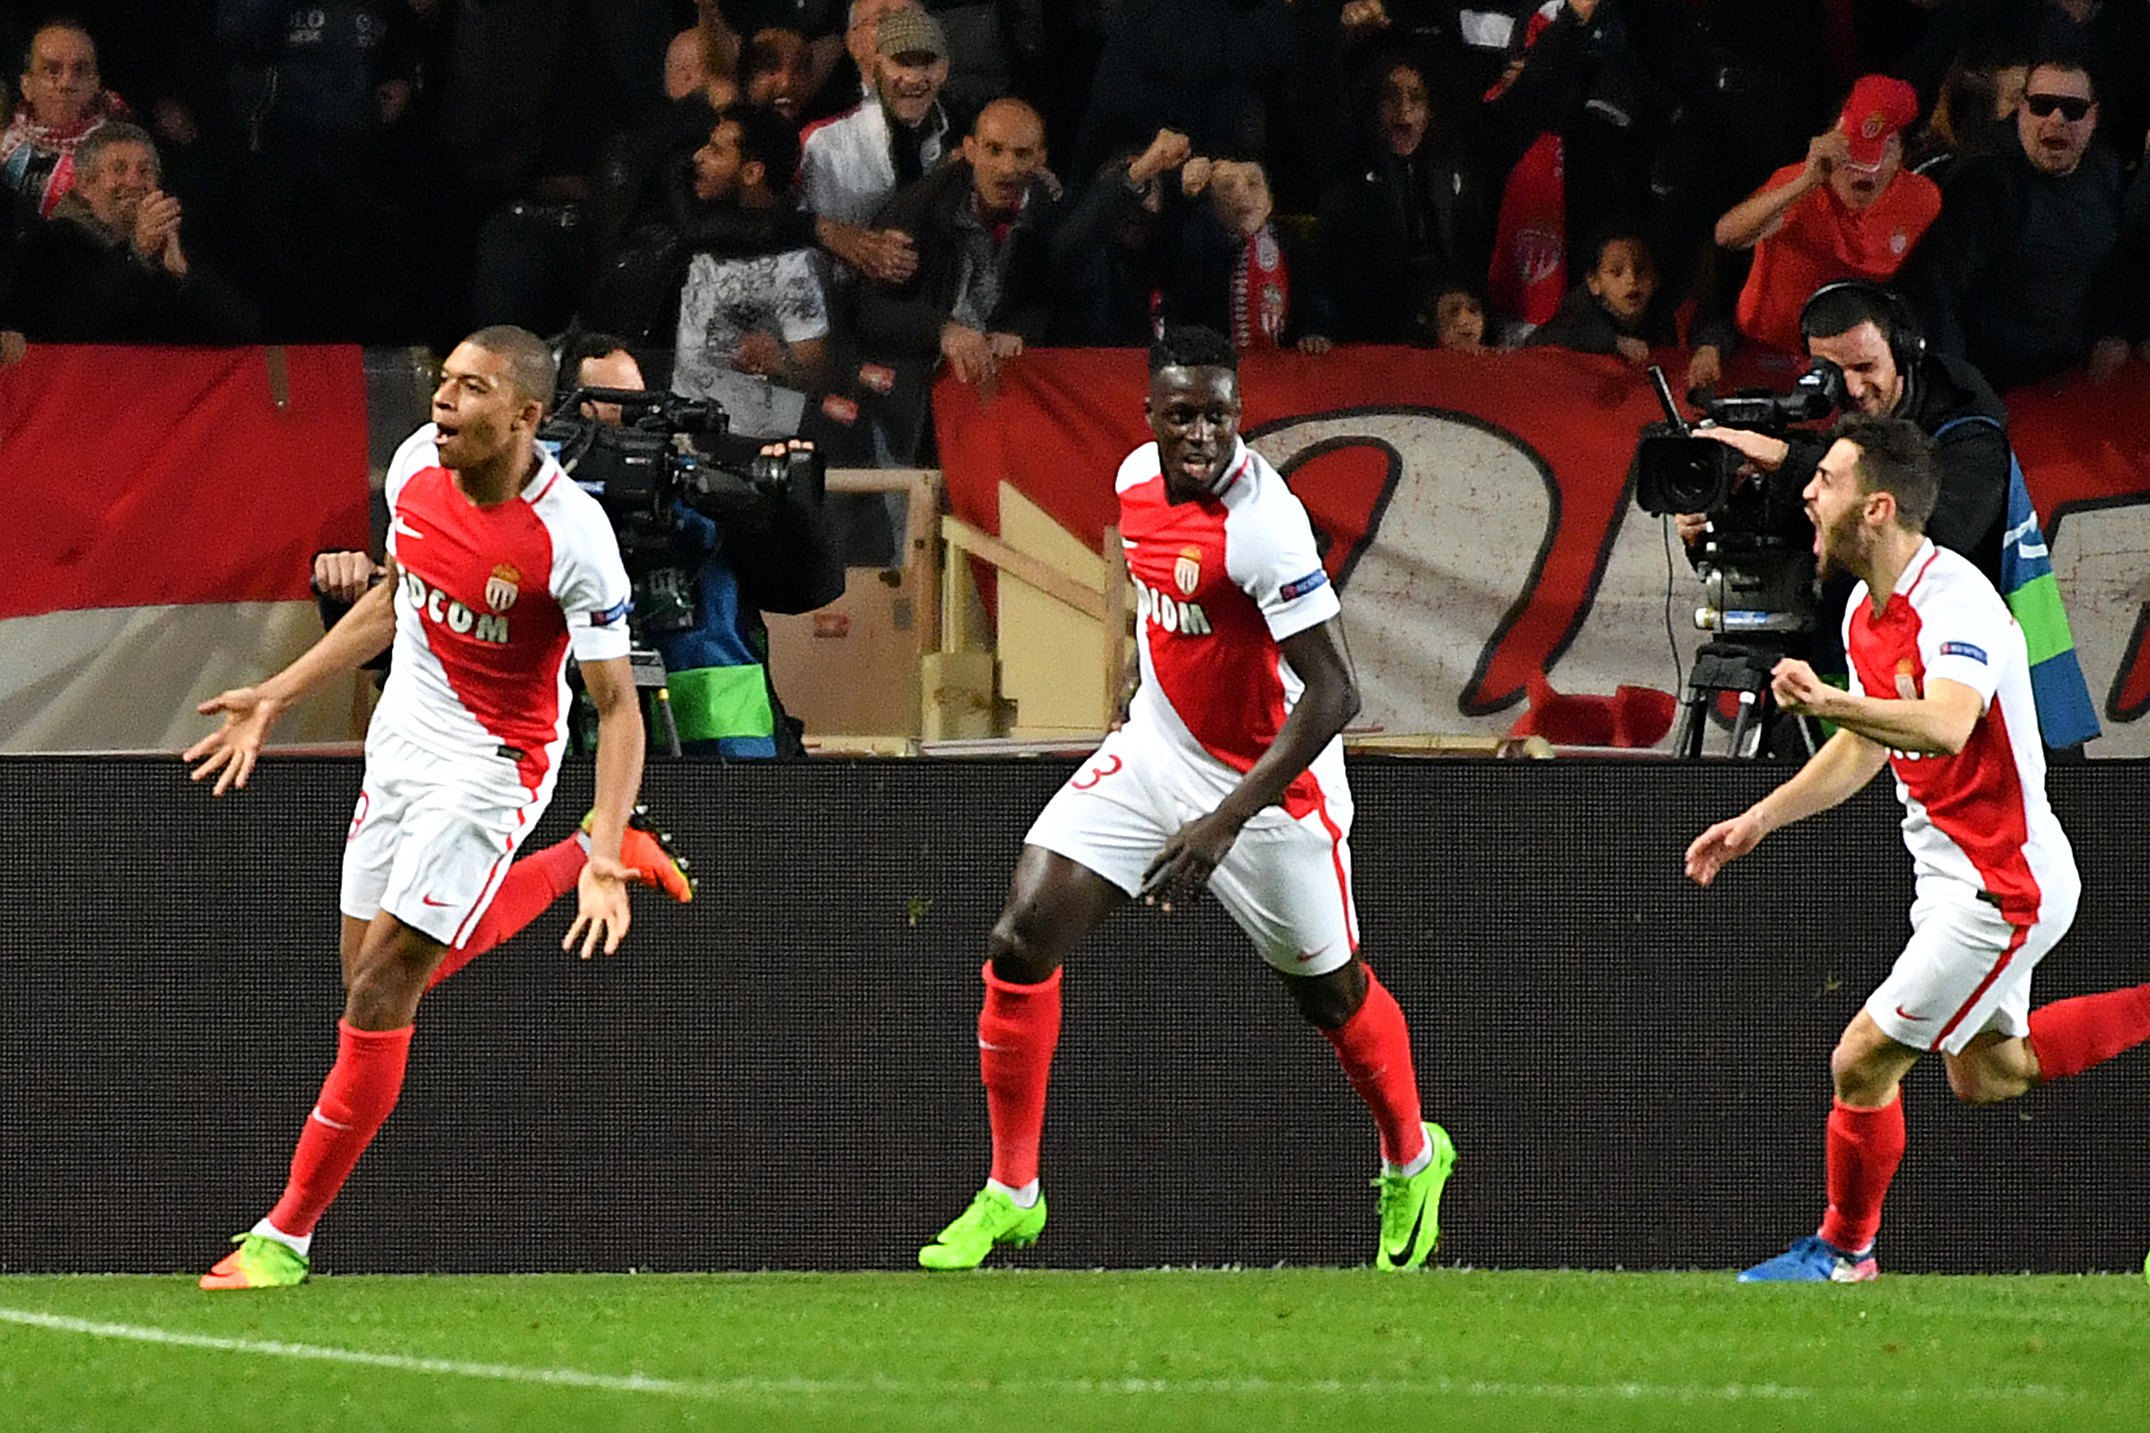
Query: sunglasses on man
point(2071, 107)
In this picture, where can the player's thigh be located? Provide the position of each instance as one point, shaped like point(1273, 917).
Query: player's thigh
point(1109, 817)
point(1287, 884)
point(455, 849)
point(1965, 970)
point(1053, 902)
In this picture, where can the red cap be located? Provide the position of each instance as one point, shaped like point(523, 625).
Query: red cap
point(1878, 107)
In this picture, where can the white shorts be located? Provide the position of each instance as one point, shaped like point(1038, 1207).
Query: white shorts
point(431, 841)
point(1285, 882)
point(1966, 969)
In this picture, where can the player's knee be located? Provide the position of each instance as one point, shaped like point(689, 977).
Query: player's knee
point(1983, 1084)
point(1020, 949)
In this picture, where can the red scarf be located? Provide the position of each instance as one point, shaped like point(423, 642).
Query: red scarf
point(1261, 292)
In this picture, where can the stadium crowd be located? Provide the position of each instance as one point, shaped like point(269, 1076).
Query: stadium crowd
point(819, 206)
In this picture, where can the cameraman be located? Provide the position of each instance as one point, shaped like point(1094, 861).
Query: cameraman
point(780, 560)
point(1868, 334)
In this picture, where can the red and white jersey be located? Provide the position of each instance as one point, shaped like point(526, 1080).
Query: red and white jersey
point(1220, 581)
point(1979, 817)
point(491, 599)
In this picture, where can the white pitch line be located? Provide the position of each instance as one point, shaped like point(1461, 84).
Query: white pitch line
point(971, 1388)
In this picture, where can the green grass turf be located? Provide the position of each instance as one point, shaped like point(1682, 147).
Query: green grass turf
point(1238, 1350)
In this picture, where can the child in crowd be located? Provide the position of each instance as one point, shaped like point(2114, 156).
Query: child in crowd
point(1616, 308)
point(1448, 313)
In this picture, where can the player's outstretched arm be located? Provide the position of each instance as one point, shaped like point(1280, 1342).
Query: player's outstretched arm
point(1846, 762)
point(229, 752)
point(601, 913)
point(1331, 699)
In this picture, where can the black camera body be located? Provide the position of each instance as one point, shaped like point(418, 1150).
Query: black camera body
point(1755, 577)
point(667, 452)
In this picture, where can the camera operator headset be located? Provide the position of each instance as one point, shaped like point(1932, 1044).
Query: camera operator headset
point(716, 665)
point(1870, 336)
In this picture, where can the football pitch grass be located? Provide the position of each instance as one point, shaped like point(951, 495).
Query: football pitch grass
point(1199, 1349)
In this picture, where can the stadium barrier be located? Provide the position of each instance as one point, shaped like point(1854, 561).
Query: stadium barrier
point(783, 1074)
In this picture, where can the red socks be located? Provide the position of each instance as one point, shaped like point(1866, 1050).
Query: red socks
point(532, 884)
point(1374, 1046)
point(355, 1099)
point(1018, 1029)
point(1865, 1146)
point(2069, 1036)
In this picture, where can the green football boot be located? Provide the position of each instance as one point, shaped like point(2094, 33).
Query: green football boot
point(992, 1220)
point(1410, 1206)
point(258, 1263)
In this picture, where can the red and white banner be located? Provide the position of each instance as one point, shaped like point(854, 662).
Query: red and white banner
point(166, 510)
point(1479, 524)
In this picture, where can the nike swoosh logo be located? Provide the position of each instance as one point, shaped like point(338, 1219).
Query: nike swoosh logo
point(989, 1045)
point(1312, 955)
point(317, 1115)
point(1920, 1019)
point(406, 529)
point(428, 900)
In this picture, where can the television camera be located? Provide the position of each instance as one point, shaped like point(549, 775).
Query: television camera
point(667, 453)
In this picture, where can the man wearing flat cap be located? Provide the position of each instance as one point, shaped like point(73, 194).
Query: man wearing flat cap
point(852, 163)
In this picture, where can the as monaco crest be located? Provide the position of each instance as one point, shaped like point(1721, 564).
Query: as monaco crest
point(1187, 571)
point(500, 589)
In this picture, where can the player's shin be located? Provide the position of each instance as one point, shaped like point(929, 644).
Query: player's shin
point(355, 1101)
point(1374, 1047)
point(1018, 1029)
point(1865, 1147)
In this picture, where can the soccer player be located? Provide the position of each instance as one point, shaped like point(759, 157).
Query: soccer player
point(1940, 693)
point(498, 566)
point(1228, 774)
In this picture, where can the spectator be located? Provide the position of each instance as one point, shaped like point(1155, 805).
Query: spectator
point(818, 23)
point(993, 47)
point(649, 224)
point(1448, 314)
point(1197, 67)
point(1617, 307)
point(982, 292)
point(1113, 253)
point(109, 266)
point(2028, 273)
point(1242, 273)
point(63, 102)
point(533, 93)
point(2111, 39)
point(1408, 205)
point(702, 60)
point(1849, 210)
point(776, 72)
point(851, 81)
point(753, 328)
point(1978, 99)
point(853, 163)
point(319, 100)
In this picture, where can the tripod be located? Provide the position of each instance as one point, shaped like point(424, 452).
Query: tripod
point(652, 692)
point(1741, 667)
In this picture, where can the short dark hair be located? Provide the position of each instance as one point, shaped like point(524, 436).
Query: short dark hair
point(530, 365)
point(1840, 306)
point(582, 345)
point(1895, 457)
point(1192, 346)
point(2066, 57)
point(1613, 231)
point(768, 139)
